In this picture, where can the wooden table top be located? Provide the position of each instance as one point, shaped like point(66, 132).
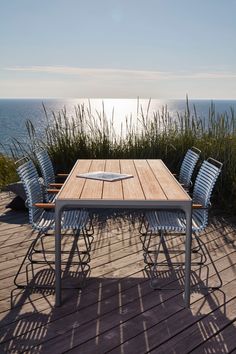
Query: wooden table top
point(152, 181)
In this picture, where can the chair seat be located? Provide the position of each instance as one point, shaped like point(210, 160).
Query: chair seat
point(175, 220)
point(71, 219)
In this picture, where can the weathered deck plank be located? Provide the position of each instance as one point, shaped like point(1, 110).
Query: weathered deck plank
point(117, 311)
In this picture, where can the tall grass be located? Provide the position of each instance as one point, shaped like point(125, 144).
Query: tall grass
point(156, 135)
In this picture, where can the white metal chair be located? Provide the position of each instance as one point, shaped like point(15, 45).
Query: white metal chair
point(187, 167)
point(41, 218)
point(160, 222)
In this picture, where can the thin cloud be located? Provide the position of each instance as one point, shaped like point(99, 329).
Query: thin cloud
point(108, 72)
point(68, 70)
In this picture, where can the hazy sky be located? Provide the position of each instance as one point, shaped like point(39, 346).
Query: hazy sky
point(123, 48)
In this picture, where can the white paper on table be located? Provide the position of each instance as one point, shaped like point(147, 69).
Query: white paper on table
point(105, 176)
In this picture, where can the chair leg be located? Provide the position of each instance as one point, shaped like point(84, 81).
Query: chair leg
point(148, 252)
point(43, 252)
point(202, 245)
point(154, 265)
point(145, 235)
point(146, 239)
point(29, 256)
point(142, 225)
point(28, 253)
point(87, 247)
point(90, 229)
point(88, 239)
point(200, 248)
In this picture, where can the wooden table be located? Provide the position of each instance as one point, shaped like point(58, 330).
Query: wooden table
point(153, 186)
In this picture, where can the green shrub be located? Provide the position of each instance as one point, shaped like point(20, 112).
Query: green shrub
point(7, 171)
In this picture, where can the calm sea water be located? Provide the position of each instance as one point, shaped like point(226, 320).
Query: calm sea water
point(15, 112)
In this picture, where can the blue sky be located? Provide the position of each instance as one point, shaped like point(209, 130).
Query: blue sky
point(124, 48)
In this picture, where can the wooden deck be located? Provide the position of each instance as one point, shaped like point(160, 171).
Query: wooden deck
point(117, 311)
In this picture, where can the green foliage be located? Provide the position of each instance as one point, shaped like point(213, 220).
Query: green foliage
point(158, 136)
point(7, 171)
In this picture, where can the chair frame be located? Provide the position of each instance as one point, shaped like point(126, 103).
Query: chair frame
point(29, 175)
point(198, 205)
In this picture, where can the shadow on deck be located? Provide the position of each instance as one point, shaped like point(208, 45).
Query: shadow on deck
point(117, 311)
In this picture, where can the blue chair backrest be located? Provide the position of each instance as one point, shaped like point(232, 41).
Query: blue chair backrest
point(33, 190)
point(205, 181)
point(46, 166)
point(203, 188)
point(27, 170)
point(187, 167)
point(34, 195)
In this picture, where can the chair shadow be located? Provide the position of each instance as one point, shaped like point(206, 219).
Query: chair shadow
point(12, 217)
point(121, 314)
point(125, 311)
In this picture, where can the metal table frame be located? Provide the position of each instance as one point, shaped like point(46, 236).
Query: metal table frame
point(61, 204)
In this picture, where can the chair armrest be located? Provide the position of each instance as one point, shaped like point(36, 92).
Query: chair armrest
point(53, 191)
point(45, 205)
point(62, 174)
point(56, 185)
point(198, 206)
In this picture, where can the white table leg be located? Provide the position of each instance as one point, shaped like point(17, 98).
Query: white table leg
point(188, 247)
point(58, 254)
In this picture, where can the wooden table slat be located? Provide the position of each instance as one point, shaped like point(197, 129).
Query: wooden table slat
point(168, 182)
point(152, 181)
point(112, 190)
point(93, 189)
point(151, 188)
point(73, 190)
point(131, 186)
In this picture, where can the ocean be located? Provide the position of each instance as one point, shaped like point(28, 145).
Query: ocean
point(15, 112)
